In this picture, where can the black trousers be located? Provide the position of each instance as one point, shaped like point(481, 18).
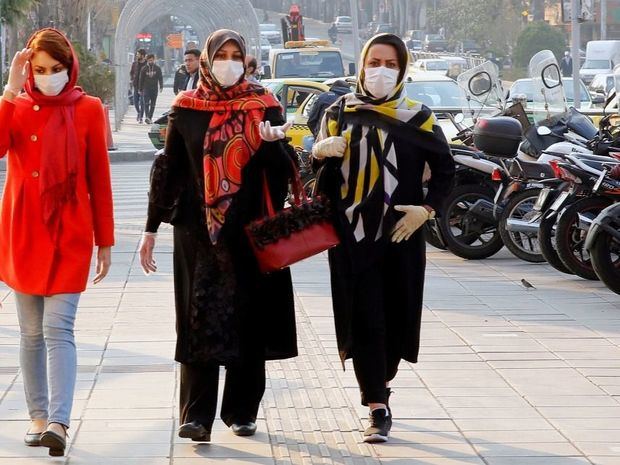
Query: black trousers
point(150, 99)
point(243, 390)
point(375, 350)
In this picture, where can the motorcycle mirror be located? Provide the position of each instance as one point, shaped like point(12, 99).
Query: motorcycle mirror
point(543, 131)
point(459, 118)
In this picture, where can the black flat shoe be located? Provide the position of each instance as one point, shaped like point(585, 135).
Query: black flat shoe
point(194, 431)
point(55, 442)
point(32, 439)
point(244, 429)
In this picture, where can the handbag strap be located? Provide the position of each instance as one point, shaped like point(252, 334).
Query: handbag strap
point(296, 187)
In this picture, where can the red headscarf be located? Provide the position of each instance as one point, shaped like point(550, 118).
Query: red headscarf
point(233, 136)
point(59, 150)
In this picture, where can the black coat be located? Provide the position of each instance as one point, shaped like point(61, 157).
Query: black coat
point(398, 269)
point(224, 305)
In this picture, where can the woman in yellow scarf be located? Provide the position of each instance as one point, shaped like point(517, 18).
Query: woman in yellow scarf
point(374, 144)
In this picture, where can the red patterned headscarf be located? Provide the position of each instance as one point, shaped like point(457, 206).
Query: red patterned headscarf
point(233, 136)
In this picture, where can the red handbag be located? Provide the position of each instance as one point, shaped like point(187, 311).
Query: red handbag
point(290, 235)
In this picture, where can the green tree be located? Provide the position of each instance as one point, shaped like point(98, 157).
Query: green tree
point(13, 11)
point(535, 37)
point(96, 78)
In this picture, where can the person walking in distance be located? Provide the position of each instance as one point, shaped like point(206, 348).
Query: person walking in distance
point(220, 151)
point(136, 68)
point(251, 68)
point(151, 84)
point(56, 203)
point(566, 65)
point(373, 145)
point(188, 78)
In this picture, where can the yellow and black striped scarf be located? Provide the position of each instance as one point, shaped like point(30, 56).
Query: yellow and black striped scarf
point(370, 160)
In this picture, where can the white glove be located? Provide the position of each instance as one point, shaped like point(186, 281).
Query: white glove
point(18, 73)
point(415, 216)
point(147, 244)
point(272, 134)
point(333, 146)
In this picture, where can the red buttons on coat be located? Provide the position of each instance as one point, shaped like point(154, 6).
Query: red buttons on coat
point(35, 174)
point(34, 138)
point(36, 108)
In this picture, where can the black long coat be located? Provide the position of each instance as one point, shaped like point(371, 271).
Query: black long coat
point(224, 305)
point(396, 271)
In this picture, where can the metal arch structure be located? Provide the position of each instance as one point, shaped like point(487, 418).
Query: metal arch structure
point(205, 16)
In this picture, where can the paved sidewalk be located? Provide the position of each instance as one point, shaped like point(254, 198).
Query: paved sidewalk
point(507, 376)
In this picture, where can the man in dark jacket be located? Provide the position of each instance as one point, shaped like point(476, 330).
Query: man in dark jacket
point(151, 80)
point(134, 75)
point(186, 77)
point(325, 100)
point(566, 65)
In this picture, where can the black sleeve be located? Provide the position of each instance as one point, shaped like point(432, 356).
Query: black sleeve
point(176, 83)
point(141, 79)
point(160, 77)
point(167, 178)
point(314, 119)
point(441, 164)
point(274, 116)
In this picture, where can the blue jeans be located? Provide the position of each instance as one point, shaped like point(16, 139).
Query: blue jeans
point(47, 340)
point(138, 103)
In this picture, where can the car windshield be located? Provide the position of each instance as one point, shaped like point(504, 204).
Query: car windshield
point(267, 27)
point(311, 63)
point(433, 37)
point(343, 19)
point(597, 64)
point(437, 65)
point(435, 93)
point(264, 42)
point(524, 87)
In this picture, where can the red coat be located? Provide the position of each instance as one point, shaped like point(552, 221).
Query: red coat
point(29, 261)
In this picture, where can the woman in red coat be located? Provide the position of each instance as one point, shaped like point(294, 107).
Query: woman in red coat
point(57, 201)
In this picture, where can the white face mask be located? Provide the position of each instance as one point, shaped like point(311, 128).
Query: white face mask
point(227, 72)
point(51, 84)
point(381, 81)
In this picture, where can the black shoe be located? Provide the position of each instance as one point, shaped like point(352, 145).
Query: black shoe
point(380, 424)
point(195, 431)
point(148, 121)
point(244, 429)
point(32, 439)
point(55, 442)
point(139, 120)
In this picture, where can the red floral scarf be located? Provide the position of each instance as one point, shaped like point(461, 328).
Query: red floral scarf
point(231, 139)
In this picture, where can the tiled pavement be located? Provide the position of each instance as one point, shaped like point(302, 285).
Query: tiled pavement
point(507, 376)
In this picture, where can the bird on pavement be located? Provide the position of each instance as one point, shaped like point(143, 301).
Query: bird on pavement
point(527, 284)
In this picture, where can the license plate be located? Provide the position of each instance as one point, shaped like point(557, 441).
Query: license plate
point(559, 201)
point(542, 198)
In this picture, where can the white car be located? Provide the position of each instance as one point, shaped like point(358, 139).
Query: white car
point(435, 66)
point(524, 87)
point(271, 32)
point(265, 48)
point(344, 24)
point(436, 92)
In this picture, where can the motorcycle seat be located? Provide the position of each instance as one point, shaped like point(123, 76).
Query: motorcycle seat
point(532, 170)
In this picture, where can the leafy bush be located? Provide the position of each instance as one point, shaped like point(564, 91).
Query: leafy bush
point(535, 37)
point(96, 78)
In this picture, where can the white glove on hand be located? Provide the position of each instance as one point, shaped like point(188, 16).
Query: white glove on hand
point(334, 146)
point(415, 216)
point(272, 134)
point(147, 244)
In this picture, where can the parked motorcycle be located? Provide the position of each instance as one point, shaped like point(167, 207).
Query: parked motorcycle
point(603, 245)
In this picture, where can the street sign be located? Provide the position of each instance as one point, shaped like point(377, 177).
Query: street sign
point(174, 40)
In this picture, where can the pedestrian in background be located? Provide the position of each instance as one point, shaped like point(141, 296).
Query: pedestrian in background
point(134, 75)
point(187, 76)
point(374, 144)
point(220, 150)
point(251, 69)
point(151, 84)
point(566, 65)
point(324, 101)
point(57, 200)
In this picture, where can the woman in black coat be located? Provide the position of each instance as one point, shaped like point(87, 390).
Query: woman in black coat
point(220, 147)
point(374, 144)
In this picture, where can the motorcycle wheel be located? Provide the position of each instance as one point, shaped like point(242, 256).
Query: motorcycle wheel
point(546, 242)
point(605, 257)
point(570, 239)
point(522, 245)
point(466, 236)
